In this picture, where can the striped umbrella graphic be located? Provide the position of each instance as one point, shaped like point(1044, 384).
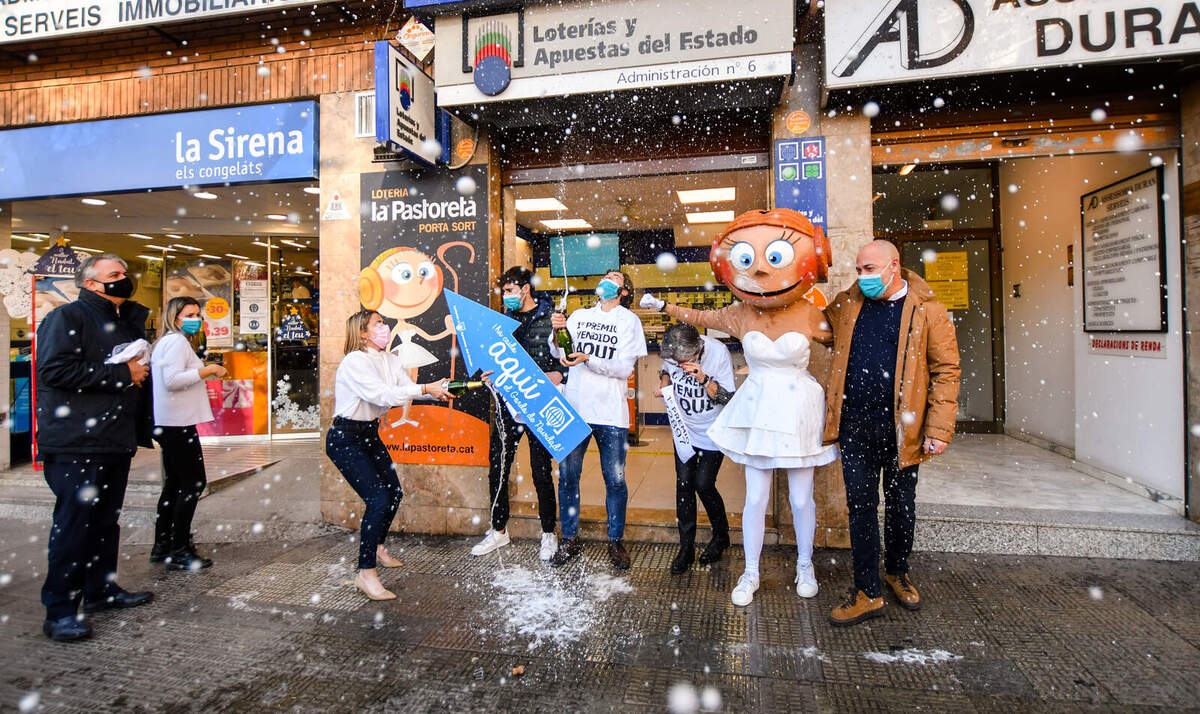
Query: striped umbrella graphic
point(493, 57)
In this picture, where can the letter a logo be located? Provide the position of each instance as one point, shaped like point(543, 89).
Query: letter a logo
point(899, 21)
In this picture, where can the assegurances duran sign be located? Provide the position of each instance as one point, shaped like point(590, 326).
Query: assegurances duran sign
point(559, 49)
point(267, 142)
point(879, 41)
point(25, 20)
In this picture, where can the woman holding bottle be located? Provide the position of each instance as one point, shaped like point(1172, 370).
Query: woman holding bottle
point(180, 403)
point(370, 381)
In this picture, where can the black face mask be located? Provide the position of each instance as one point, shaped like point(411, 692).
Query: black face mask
point(122, 288)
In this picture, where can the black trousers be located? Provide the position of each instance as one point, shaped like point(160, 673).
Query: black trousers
point(184, 480)
point(500, 458)
point(84, 536)
point(698, 477)
point(356, 450)
point(869, 447)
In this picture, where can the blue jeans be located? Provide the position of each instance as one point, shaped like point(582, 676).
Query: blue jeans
point(356, 450)
point(611, 442)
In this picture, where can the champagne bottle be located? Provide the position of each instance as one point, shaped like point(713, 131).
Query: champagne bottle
point(459, 387)
point(562, 338)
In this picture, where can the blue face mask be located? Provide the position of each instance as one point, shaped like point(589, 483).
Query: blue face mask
point(512, 302)
point(872, 285)
point(191, 325)
point(607, 289)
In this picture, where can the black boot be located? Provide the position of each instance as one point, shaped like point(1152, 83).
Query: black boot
point(160, 551)
point(683, 559)
point(186, 558)
point(117, 598)
point(66, 629)
point(714, 550)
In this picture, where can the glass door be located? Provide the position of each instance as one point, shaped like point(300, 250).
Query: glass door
point(295, 389)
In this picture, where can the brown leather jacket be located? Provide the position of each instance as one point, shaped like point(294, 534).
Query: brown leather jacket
point(926, 367)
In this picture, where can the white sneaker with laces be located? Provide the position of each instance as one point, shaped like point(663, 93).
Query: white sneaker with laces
point(743, 592)
point(490, 542)
point(549, 545)
point(806, 580)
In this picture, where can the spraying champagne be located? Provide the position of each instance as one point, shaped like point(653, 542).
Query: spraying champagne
point(459, 387)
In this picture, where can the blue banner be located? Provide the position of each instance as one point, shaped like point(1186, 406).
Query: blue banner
point(800, 177)
point(486, 342)
point(266, 142)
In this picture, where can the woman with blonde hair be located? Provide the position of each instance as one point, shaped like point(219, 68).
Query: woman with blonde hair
point(180, 403)
point(370, 381)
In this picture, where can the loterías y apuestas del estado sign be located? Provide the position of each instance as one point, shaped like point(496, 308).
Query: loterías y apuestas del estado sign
point(878, 41)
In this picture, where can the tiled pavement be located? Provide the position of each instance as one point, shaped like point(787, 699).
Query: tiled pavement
point(276, 627)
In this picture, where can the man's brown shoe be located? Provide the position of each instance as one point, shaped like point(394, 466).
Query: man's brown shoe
point(903, 589)
point(858, 607)
point(618, 555)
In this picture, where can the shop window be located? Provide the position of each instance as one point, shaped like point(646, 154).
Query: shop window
point(935, 199)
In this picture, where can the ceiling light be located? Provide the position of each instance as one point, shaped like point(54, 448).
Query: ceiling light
point(566, 224)
point(176, 236)
point(150, 257)
point(292, 243)
point(30, 239)
point(254, 263)
point(86, 250)
point(907, 169)
point(707, 195)
point(210, 257)
point(710, 217)
point(260, 243)
point(316, 190)
point(205, 195)
point(301, 271)
point(143, 236)
point(161, 247)
point(276, 216)
point(93, 201)
point(235, 255)
point(192, 248)
point(530, 205)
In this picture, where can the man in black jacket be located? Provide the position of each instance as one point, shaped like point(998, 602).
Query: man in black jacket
point(533, 312)
point(91, 417)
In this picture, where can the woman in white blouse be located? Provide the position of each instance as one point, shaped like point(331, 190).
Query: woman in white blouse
point(180, 403)
point(369, 382)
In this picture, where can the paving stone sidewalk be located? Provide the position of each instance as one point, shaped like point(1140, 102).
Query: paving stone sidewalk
point(276, 627)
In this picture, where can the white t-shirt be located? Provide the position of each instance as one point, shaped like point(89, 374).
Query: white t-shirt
point(613, 341)
point(369, 383)
point(180, 395)
point(698, 409)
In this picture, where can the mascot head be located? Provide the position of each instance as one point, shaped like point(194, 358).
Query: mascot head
point(771, 258)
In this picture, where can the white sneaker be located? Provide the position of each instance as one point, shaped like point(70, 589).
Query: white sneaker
point(549, 545)
point(490, 542)
point(743, 593)
point(806, 580)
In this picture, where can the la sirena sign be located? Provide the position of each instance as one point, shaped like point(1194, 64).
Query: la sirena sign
point(878, 41)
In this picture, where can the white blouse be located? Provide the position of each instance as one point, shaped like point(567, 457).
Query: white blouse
point(180, 395)
point(369, 383)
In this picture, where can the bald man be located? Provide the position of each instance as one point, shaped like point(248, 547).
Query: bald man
point(891, 403)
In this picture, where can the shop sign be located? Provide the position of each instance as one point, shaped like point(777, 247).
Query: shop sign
point(800, 177)
point(1128, 346)
point(487, 344)
point(255, 310)
point(416, 38)
point(421, 233)
point(292, 329)
point(405, 106)
point(61, 261)
point(264, 142)
point(879, 41)
point(336, 210)
point(798, 122)
point(39, 19)
point(562, 49)
point(1124, 256)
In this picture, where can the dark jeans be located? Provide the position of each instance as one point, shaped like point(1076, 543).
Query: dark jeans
point(868, 447)
point(698, 477)
point(611, 442)
point(356, 450)
point(501, 452)
point(183, 482)
point(85, 535)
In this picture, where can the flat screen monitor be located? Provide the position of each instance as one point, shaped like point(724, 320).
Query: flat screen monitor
point(584, 254)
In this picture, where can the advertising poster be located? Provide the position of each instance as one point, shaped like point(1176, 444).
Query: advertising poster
point(420, 235)
point(210, 282)
point(255, 309)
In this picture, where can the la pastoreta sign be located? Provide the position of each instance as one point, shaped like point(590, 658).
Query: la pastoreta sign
point(878, 41)
point(25, 20)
